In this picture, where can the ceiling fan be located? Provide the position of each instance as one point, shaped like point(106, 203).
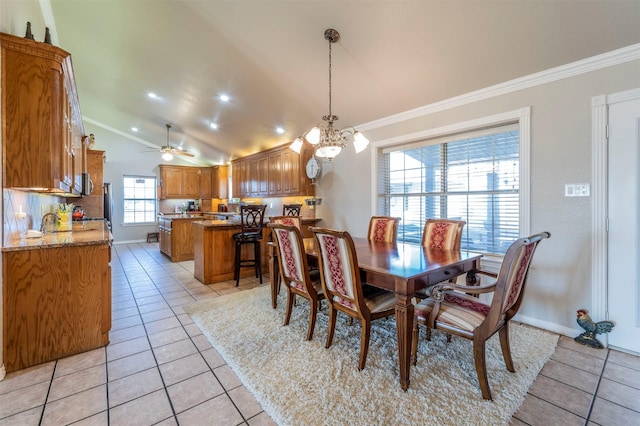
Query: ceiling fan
point(169, 151)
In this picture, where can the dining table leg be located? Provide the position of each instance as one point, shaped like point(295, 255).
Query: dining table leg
point(404, 326)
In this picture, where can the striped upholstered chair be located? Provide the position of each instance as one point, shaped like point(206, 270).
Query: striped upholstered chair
point(383, 228)
point(440, 234)
point(451, 309)
point(344, 290)
point(294, 272)
point(444, 234)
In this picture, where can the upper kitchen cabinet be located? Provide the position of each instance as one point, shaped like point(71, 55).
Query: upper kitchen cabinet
point(278, 172)
point(219, 182)
point(42, 129)
point(179, 182)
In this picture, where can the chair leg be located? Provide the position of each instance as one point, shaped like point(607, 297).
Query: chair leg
point(428, 334)
point(481, 368)
point(364, 343)
point(448, 337)
point(312, 318)
point(506, 349)
point(287, 315)
point(258, 260)
point(331, 325)
point(236, 270)
point(414, 342)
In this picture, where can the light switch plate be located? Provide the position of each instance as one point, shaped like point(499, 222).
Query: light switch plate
point(577, 190)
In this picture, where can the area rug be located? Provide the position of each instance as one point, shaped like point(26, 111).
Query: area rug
point(299, 382)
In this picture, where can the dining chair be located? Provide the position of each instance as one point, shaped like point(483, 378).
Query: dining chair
point(451, 308)
point(291, 209)
point(383, 228)
point(445, 234)
point(344, 290)
point(252, 220)
point(288, 221)
point(294, 272)
point(440, 234)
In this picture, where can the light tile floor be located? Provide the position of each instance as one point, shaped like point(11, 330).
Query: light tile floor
point(160, 369)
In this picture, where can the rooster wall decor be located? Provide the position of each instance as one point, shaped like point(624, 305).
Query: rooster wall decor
point(591, 329)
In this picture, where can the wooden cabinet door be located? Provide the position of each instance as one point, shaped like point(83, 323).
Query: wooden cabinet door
point(206, 182)
point(171, 182)
point(263, 176)
point(221, 182)
point(291, 172)
point(275, 174)
point(191, 182)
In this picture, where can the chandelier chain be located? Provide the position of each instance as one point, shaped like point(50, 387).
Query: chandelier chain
point(330, 115)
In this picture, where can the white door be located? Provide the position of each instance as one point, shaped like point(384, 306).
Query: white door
point(623, 296)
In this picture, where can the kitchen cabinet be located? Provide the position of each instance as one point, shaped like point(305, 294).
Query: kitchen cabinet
point(93, 204)
point(179, 182)
point(42, 131)
point(278, 172)
point(206, 182)
point(220, 182)
point(176, 236)
point(57, 302)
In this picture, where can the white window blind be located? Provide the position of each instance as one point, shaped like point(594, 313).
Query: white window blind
point(139, 199)
point(472, 176)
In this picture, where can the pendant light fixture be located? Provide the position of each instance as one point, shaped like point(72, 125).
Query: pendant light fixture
point(327, 140)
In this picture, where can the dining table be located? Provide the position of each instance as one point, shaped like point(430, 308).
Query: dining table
point(401, 268)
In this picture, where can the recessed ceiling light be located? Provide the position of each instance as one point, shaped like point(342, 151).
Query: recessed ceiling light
point(279, 130)
point(213, 125)
point(152, 95)
point(134, 129)
point(224, 98)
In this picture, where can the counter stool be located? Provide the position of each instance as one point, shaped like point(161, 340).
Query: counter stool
point(291, 209)
point(252, 219)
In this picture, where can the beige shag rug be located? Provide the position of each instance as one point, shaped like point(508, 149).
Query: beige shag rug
point(301, 383)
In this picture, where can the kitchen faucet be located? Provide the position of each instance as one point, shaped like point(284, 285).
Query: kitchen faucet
point(43, 223)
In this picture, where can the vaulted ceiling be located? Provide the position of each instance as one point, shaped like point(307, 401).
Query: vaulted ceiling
point(271, 58)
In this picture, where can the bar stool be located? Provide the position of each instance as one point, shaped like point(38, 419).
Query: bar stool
point(252, 218)
point(291, 209)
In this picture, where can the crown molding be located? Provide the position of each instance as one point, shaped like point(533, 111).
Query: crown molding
point(594, 63)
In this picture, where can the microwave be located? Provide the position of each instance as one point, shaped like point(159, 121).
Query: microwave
point(87, 184)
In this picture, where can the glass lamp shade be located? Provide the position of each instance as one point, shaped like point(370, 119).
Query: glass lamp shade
point(328, 151)
point(167, 156)
point(296, 145)
point(360, 142)
point(313, 136)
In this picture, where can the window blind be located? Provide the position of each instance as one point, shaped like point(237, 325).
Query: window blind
point(473, 176)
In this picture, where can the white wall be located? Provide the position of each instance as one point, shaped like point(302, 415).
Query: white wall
point(560, 280)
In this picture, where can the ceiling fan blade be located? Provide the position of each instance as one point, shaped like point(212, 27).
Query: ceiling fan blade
point(179, 152)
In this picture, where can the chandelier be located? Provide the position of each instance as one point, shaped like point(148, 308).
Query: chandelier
point(327, 140)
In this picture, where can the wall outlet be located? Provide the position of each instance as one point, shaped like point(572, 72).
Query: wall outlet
point(577, 190)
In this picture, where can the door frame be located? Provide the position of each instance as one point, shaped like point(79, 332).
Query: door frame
point(599, 207)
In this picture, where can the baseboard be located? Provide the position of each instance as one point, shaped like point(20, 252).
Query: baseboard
point(549, 326)
point(130, 242)
point(3, 373)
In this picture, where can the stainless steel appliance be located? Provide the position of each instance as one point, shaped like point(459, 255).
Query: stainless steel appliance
point(108, 204)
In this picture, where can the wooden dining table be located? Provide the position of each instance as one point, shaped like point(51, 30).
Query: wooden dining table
point(401, 268)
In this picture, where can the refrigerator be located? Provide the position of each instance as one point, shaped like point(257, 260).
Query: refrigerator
point(108, 204)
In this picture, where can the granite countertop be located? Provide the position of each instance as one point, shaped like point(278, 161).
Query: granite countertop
point(220, 223)
point(82, 233)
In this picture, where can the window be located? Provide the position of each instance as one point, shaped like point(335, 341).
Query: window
point(139, 199)
point(472, 176)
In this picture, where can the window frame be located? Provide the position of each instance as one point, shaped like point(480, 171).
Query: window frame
point(521, 117)
point(125, 199)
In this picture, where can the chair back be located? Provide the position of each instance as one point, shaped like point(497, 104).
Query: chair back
point(512, 278)
point(287, 220)
point(252, 219)
point(291, 209)
point(444, 234)
point(383, 228)
point(339, 271)
point(292, 259)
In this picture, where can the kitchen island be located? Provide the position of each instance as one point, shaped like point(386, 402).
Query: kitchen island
point(215, 249)
point(57, 294)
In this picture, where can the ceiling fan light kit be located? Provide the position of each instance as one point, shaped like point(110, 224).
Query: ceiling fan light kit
point(168, 151)
point(327, 140)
